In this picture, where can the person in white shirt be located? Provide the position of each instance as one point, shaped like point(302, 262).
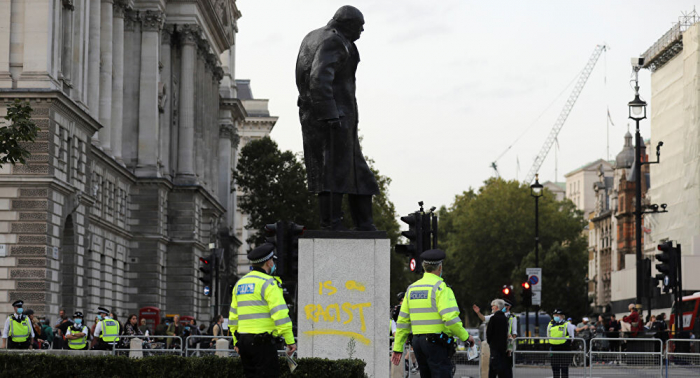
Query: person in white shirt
point(18, 328)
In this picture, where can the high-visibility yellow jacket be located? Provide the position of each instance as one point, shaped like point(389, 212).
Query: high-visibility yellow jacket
point(78, 343)
point(558, 331)
point(258, 306)
point(110, 330)
point(19, 331)
point(428, 307)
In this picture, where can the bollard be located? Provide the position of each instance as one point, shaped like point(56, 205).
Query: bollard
point(222, 348)
point(136, 343)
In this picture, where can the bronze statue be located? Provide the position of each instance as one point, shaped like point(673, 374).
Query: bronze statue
point(335, 166)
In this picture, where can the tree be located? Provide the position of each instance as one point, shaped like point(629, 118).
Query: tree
point(18, 130)
point(489, 238)
point(274, 183)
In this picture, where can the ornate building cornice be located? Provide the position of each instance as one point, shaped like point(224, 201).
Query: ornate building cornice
point(68, 4)
point(167, 34)
point(120, 7)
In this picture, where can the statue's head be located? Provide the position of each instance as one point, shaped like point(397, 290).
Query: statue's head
point(349, 21)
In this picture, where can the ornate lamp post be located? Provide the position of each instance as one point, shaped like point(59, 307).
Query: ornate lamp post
point(638, 112)
point(536, 191)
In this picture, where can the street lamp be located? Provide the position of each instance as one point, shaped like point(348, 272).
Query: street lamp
point(638, 112)
point(536, 191)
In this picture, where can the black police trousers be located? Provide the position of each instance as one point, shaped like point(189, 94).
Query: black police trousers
point(15, 345)
point(561, 361)
point(433, 358)
point(259, 357)
point(500, 365)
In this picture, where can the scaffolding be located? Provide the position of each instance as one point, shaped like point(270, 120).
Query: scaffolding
point(671, 43)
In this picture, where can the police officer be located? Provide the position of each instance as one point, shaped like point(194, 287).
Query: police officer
point(259, 315)
point(18, 328)
point(430, 312)
point(106, 331)
point(77, 333)
point(561, 332)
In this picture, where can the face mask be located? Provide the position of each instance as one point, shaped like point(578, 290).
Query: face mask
point(20, 311)
point(504, 309)
point(78, 321)
point(274, 269)
point(99, 317)
point(557, 319)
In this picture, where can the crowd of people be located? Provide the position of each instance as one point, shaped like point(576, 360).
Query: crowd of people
point(25, 330)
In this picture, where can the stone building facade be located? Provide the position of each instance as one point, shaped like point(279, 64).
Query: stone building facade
point(130, 178)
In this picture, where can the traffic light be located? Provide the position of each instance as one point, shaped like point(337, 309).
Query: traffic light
point(668, 264)
point(291, 269)
point(507, 293)
point(207, 268)
point(415, 240)
point(527, 294)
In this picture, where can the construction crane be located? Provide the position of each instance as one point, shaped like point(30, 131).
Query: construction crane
point(549, 142)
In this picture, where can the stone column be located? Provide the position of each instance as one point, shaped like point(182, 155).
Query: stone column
point(185, 162)
point(165, 99)
point(132, 67)
point(147, 165)
point(67, 45)
point(93, 97)
point(106, 74)
point(198, 124)
point(118, 79)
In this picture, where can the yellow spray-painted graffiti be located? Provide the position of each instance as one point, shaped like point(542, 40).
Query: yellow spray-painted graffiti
point(332, 313)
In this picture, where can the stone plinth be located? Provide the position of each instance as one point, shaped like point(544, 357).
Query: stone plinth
point(344, 297)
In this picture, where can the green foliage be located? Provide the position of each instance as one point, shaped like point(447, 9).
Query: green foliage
point(489, 237)
point(19, 129)
point(43, 365)
point(275, 187)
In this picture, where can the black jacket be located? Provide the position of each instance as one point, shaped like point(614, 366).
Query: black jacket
point(497, 333)
point(325, 76)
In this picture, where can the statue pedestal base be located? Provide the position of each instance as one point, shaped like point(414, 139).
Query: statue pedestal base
point(344, 297)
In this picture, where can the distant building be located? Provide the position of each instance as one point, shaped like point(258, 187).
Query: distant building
point(557, 188)
point(257, 125)
point(601, 239)
point(579, 185)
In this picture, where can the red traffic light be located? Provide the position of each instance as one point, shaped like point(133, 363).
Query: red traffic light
point(526, 285)
point(203, 260)
point(506, 291)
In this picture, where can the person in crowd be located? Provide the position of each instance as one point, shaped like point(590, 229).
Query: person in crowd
point(94, 325)
point(433, 318)
point(106, 332)
point(585, 330)
point(46, 332)
point(18, 332)
point(131, 327)
point(614, 329)
point(143, 326)
point(561, 332)
point(62, 325)
point(216, 329)
point(77, 334)
point(498, 334)
point(634, 321)
point(601, 327)
point(193, 331)
point(174, 329)
point(661, 328)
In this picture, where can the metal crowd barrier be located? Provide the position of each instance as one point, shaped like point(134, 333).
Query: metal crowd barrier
point(682, 358)
point(535, 357)
point(203, 345)
point(617, 357)
point(150, 346)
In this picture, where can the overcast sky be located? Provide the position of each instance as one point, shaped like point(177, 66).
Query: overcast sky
point(445, 87)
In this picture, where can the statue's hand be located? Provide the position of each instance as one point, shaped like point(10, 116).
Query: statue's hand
point(334, 123)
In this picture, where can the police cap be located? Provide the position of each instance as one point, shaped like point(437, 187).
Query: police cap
point(508, 302)
point(18, 303)
point(558, 311)
point(102, 310)
point(262, 253)
point(433, 256)
point(78, 314)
